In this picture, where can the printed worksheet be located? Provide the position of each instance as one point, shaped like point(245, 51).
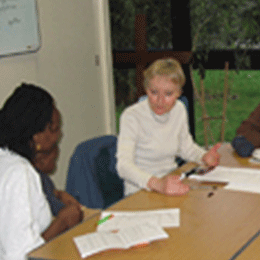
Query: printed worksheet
point(121, 219)
point(125, 238)
point(241, 179)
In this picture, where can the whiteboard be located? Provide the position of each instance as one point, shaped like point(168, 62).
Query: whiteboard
point(19, 28)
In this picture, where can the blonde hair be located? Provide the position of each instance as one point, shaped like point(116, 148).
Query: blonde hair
point(165, 67)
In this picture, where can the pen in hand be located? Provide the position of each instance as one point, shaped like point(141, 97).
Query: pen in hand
point(188, 173)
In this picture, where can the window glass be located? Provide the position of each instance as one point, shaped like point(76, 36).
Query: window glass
point(158, 19)
point(225, 24)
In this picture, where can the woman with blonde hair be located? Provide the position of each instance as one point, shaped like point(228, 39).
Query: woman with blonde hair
point(155, 131)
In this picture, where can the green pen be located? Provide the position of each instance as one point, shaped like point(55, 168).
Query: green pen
point(105, 219)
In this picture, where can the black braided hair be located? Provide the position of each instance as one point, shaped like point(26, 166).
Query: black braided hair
point(26, 112)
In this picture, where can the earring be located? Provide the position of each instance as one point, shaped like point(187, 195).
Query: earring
point(38, 147)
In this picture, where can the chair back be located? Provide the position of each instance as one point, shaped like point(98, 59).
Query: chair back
point(92, 177)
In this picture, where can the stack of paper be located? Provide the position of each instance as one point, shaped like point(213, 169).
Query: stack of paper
point(241, 179)
point(125, 238)
point(132, 228)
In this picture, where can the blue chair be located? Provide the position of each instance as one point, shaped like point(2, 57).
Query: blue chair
point(92, 177)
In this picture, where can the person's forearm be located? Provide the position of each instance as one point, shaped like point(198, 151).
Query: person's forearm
point(250, 131)
point(169, 185)
point(155, 184)
point(65, 197)
point(57, 227)
point(129, 171)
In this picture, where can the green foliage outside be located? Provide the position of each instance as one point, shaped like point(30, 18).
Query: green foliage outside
point(224, 24)
point(158, 19)
point(221, 24)
point(243, 97)
point(159, 36)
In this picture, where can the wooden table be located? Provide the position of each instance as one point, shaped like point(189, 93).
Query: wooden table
point(231, 159)
point(251, 250)
point(214, 227)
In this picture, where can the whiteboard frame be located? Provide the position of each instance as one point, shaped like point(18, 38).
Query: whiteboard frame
point(28, 10)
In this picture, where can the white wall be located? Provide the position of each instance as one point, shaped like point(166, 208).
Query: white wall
point(72, 33)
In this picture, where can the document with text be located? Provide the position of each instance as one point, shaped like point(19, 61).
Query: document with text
point(124, 238)
point(159, 217)
point(240, 179)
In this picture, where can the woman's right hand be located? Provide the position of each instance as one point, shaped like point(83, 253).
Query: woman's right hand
point(71, 215)
point(170, 185)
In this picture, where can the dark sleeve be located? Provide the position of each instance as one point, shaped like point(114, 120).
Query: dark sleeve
point(250, 128)
point(48, 188)
point(242, 146)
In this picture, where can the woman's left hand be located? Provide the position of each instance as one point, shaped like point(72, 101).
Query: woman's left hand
point(212, 157)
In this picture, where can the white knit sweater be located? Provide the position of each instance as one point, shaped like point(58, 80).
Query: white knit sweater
point(148, 144)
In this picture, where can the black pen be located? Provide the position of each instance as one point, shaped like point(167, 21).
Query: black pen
point(188, 173)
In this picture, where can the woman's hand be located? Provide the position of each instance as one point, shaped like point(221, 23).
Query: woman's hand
point(68, 217)
point(71, 215)
point(212, 157)
point(169, 185)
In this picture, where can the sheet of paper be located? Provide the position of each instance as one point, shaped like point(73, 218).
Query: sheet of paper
point(247, 187)
point(243, 179)
point(121, 219)
point(96, 242)
point(125, 238)
point(254, 160)
point(140, 234)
